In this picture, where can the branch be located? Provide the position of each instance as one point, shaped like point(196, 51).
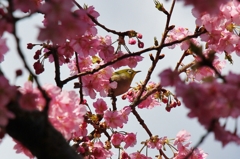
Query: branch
point(34, 131)
point(156, 59)
point(107, 64)
point(57, 67)
point(195, 35)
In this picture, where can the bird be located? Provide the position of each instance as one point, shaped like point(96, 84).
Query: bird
point(124, 79)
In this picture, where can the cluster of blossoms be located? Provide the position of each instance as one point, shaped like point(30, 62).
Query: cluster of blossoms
point(222, 35)
point(179, 33)
point(222, 28)
point(202, 72)
point(220, 104)
point(195, 73)
point(181, 146)
point(153, 100)
point(61, 101)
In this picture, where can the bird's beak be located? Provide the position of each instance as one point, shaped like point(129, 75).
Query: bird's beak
point(137, 71)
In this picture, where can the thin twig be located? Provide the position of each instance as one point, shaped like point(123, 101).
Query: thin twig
point(20, 53)
point(80, 79)
point(96, 22)
point(195, 35)
point(180, 61)
point(185, 67)
point(57, 67)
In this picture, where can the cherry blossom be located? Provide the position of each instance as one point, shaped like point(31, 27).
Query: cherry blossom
point(169, 78)
point(181, 137)
point(179, 33)
point(130, 140)
point(210, 6)
point(113, 119)
point(4, 49)
point(117, 138)
point(138, 155)
point(7, 93)
point(100, 106)
point(222, 27)
point(32, 6)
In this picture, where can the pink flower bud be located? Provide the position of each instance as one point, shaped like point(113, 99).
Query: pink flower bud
point(132, 41)
point(139, 35)
point(140, 44)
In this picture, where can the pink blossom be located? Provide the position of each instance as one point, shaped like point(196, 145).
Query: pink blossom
point(124, 113)
point(56, 13)
point(98, 82)
point(179, 33)
point(32, 5)
point(138, 155)
point(65, 112)
point(156, 142)
point(3, 49)
point(224, 135)
point(66, 51)
point(6, 25)
point(169, 77)
point(98, 151)
point(184, 151)
point(81, 130)
point(182, 137)
point(84, 63)
point(222, 26)
point(210, 6)
point(130, 61)
point(89, 86)
point(38, 67)
point(28, 101)
point(150, 102)
point(194, 96)
point(100, 106)
point(5, 114)
point(7, 93)
point(124, 155)
point(133, 61)
point(85, 45)
point(106, 50)
point(116, 139)
point(113, 119)
point(130, 140)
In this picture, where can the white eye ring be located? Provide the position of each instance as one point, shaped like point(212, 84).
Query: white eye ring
point(130, 71)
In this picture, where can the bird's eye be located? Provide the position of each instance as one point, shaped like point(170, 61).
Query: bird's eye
point(130, 71)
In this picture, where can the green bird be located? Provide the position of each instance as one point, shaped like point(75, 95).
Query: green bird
point(124, 79)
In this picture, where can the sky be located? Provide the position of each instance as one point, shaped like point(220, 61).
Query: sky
point(143, 17)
